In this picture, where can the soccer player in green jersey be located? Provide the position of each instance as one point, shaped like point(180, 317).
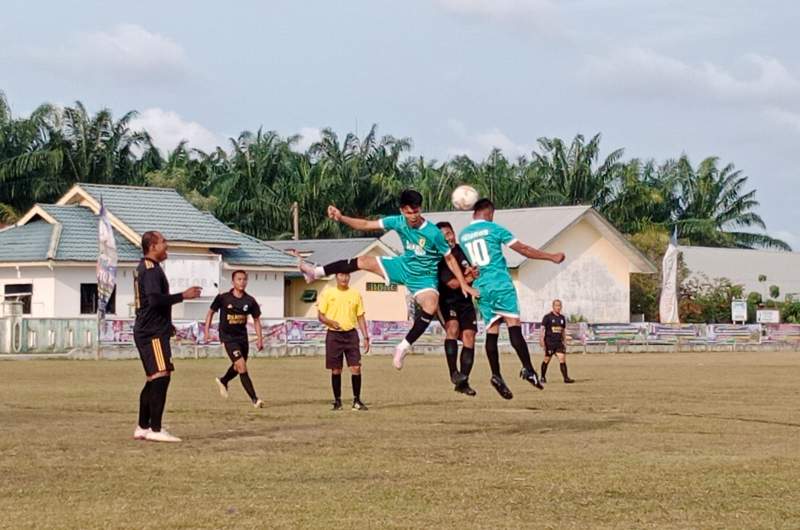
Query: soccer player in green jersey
point(483, 241)
point(424, 247)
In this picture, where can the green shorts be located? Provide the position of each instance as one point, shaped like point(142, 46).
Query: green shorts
point(396, 270)
point(496, 302)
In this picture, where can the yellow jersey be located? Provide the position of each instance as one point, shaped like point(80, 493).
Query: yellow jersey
point(341, 305)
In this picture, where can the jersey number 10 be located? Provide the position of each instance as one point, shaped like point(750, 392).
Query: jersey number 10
point(478, 252)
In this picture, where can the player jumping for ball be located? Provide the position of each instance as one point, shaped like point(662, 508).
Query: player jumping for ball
point(424, 247)
point(553, 341)
point(457, 315)
point(483, 240)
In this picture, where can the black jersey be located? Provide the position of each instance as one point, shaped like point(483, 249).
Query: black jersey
point(233, 313)
point(153, 301)
point(448, 295)
point(554, 328)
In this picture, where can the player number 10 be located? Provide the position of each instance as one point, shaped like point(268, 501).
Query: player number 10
point(478, 252)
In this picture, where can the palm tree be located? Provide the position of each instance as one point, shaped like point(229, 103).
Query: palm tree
point(28, 164)
point(252, 183)
point(715, 206)
point(575, 172)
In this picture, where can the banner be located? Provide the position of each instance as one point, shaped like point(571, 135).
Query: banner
point(106, 261)
point(668, 304)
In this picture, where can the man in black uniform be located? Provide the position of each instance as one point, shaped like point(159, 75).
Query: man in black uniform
point(151, 333)
point(233, 307)
point(552, 340)
point(457, 314)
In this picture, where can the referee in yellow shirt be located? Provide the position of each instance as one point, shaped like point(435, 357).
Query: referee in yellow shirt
point(341, 309)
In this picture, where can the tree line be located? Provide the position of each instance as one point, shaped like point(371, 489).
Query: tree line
point(251, 183)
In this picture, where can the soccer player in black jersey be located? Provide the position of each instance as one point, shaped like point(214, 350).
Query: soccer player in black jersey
point(553, 340)
point(457, 314)
point(151, 334)
point(234, 307)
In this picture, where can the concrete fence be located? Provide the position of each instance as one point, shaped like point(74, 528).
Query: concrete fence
point(78, 338)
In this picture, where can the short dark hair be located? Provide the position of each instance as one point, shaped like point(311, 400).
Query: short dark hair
point(483, 204)
point(411, 198)
point(238, 271)
point(444, 224)
point(149, 239)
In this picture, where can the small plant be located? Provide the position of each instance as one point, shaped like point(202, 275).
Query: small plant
point(774, 291)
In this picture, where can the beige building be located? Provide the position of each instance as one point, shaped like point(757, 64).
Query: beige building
point(593, 282)
point(381, 302)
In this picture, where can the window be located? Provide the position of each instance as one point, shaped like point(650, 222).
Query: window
point(309, 296)
point(89, 300)
point(381, 287)
point(20, 292)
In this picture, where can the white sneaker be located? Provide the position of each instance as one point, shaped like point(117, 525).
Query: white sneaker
point(258, 404)
point(400, 352)
point(140, 434)
point(309, 271)
point(161, 436)
point(223, 390)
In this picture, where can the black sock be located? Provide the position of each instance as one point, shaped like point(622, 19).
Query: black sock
point(451, 353)
point(492, 353)
point(467, 360)
point(144, 406)
point(247, 383)
point(356, 380)
point(421, 323)
point(520, 346)
point(158, 398)
point(344, 265)
point(336, 383)
point(544, 368)
point(229, 375)
point(563, 367)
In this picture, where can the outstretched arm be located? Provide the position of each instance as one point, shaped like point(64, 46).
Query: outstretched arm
point(363, 225)
point(534, 253)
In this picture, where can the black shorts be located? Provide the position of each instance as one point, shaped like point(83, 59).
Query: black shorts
point(237, 350)
point(155, 353)
point(552, 349)
point(462, 311)
point(342, 344)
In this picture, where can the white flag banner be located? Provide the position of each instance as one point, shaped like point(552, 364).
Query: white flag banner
point(106, 261)
point(668, 304)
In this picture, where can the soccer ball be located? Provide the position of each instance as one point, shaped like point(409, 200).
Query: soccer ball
point(464, 197)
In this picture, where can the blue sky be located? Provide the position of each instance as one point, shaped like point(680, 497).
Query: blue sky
point(659, 78)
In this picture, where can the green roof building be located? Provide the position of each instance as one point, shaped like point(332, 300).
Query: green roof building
point(48, 258)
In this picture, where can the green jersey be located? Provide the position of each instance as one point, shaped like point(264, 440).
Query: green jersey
point(483, 241)
point(424, 246)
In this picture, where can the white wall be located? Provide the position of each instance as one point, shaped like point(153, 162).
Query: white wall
point(57, 294)
point(43, 281)
point(594, 281)
point(266, 287)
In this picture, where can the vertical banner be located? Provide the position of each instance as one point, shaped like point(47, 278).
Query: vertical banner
point(668, 304)
point(106, 262)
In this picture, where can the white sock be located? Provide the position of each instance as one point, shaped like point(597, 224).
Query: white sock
point(404, 345)
point(319, 272)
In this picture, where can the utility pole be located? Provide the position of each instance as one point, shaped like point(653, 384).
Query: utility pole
point(296, 220)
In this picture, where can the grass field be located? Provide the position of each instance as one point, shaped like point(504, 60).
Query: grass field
point(641, 441)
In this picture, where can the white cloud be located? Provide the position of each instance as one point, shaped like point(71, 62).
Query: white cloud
point(479, 145)
point(126, 53)
point(783, 117)
point(538, 13)
point(168, 129)
point(645, 72)
point(308, 137)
